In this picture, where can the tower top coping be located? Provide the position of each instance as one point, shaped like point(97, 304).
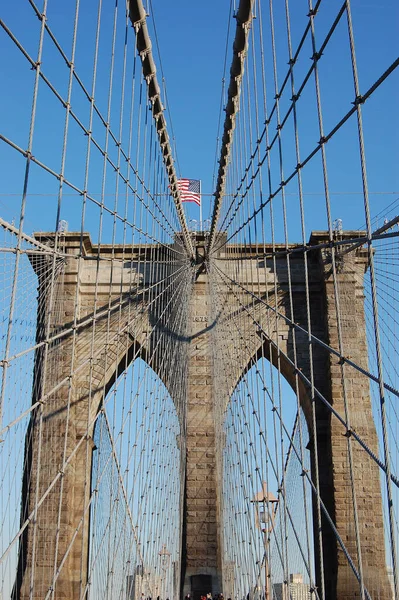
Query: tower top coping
point(73, 241)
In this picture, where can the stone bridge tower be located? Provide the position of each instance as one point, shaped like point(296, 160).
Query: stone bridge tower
point(74, 290)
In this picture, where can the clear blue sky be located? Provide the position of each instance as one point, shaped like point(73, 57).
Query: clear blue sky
point(192, 40)
point(193, 57)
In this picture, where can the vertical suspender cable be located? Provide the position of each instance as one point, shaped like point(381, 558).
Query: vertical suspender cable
point(138, 18)
point(244, 20)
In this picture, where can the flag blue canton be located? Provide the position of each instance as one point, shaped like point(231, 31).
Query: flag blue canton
point(194, 185)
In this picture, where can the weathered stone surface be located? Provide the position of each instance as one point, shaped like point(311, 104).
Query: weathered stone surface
point(80, 396)
point(202, 547)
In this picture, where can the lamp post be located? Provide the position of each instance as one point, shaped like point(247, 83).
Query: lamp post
point(195, 225)
point(264, 520)
point(205, 225)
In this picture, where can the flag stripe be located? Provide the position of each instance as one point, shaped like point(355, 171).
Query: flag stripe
point(190, 190)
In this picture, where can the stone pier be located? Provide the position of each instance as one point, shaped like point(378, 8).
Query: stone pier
point(60, 525)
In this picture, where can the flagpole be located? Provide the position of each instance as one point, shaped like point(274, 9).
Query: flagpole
point(201, 226)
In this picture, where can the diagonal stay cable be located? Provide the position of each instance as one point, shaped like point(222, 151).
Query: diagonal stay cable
point(302, 376)
point(86, 131)
point(314, 338)
point(290, 437)
point(317, 148)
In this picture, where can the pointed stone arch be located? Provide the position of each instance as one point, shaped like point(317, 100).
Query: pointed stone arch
point(141, 399)
point(98, 316)
point(256, 455)
point(270, 325)
point(274, 324)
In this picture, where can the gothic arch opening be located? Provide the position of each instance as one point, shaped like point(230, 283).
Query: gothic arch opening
point(135, 513)
point(266, 450)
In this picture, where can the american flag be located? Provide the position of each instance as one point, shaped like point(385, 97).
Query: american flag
point(190, 190)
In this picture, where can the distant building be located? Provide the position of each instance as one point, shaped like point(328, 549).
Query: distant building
point(391, 581)
point(130, 581)
point(143, 584)
point(294, 590)
point(228, 579)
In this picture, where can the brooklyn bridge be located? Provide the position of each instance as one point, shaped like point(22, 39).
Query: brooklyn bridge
point(207, 405)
